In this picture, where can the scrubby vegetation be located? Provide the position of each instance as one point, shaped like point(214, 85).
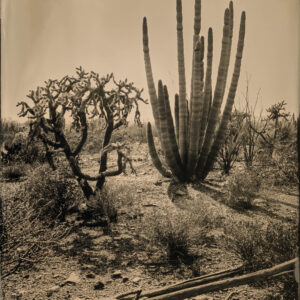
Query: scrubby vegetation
point(179, 233)
point(242, 188)
point(166, 239)
point(228, 199)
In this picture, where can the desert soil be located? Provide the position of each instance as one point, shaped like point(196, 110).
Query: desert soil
point(103, 266)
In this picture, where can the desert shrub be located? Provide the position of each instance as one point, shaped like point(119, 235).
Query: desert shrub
point(107, 205)
point(287, 166)
point(13, 172)
point(33, 152)
point(280, 170)
point(262, 246)
point(178, 232)
point(51, 193)
point(25, 240)
point(242, 189)
point(230, 150)
point(137, 133)
point(8, 130)
point(104, 204)
point(19, 149)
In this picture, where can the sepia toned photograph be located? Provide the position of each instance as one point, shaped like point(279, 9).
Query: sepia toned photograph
point(149, 149)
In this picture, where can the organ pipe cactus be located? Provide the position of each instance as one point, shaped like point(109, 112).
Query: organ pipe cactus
point(191, 146)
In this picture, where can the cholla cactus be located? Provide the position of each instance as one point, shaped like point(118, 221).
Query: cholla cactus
point(191, 147)
point(82, 97)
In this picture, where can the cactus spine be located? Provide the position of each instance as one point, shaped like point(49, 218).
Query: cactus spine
point(191, 149)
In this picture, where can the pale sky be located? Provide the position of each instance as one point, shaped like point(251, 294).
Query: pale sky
point(45, 39)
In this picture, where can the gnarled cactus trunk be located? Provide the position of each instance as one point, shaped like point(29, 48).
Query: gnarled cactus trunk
point(191, 149)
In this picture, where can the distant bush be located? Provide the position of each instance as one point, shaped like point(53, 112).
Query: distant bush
point(281, 169)
point(262, 246)
point(9, 129)
point(17, 149)
point(242, 189)
point(230, 151)
point(137, 133)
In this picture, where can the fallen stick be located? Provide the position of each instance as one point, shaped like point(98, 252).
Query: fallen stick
point(212, 276)
point(124, 296)
point(187, 283)
point(190, 283)
point(226, 283)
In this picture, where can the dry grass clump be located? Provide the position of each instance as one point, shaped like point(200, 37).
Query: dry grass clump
point(179, 233)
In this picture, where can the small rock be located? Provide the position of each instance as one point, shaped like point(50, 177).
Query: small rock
point(136, 280)
point(99, 286)
point(180, 193)
point(125, 279)
point(158, 183)
point(82, 207)
point(16, 296)
point(52, 290)
point(90, 275)
point(259, 202)
point(150, 205)
point(116, 274)
point(73, 279)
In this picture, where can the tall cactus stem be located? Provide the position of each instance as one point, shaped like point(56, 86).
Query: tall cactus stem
point(197, 29)
point(176, 113)
point(153, 153)
point(207, 87)
point(171, 130)
point(149, 76)
point(196, 108)
point(175, 168)
point(183, 125)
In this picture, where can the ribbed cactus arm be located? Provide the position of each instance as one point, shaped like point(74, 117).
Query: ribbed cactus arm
point(165, 136)
point(196, 107)
point(183, 114)
point(218, 94)
point(149, 76)
point(171, 130)
point(207, 87)
point(153, 153)
point(176, 113)
point(197, 29)
point(230, 100)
